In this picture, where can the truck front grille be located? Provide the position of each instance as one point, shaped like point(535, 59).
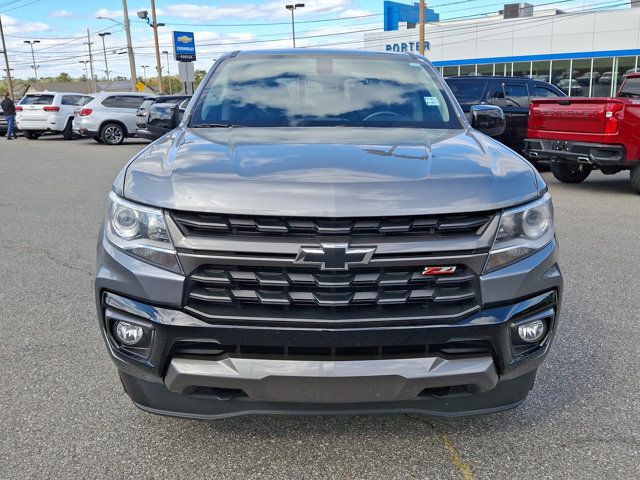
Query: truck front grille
point(310, 293)
point(204, 224)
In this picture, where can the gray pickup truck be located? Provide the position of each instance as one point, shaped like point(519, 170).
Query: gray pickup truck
point(326, 233)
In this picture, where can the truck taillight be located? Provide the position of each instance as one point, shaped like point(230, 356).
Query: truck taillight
point(51, 109)
point(19, 108)
point(85, 111)
point(611, 117)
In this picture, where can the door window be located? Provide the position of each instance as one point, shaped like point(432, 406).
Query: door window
point(538, 91)
point(516, 95)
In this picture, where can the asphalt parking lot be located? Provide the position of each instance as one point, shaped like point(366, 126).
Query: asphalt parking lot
point(65, 415)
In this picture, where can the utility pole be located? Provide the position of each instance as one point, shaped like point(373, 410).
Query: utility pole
point(33, 57)
point(104, 50)
point(155, 25)
point(6, 60)
point(292, 7)
point(168, 72)
point(132, 60)
point(86, 74)
point(422, 7)
point(93, 78)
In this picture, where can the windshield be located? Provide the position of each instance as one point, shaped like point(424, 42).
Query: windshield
point(631, 88)
point(467, 91)
point(298, 90)
point(37, 100)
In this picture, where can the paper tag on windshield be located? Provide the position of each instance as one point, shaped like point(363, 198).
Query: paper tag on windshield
point(431, 101)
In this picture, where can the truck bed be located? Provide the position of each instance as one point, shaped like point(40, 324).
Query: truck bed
point(593, 130)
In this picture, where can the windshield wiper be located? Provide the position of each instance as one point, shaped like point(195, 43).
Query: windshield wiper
point(215, 125)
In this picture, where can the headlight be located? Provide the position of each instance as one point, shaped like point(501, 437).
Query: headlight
point(140, 231)
point(522, 231)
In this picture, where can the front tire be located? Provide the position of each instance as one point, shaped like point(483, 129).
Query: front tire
point(634, 176)
point(112, 134)
point(67, 133)
point(570, 172)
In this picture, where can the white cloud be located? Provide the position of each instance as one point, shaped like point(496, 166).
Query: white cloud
point(13, 26)
point(62, 14)
point(270, 10)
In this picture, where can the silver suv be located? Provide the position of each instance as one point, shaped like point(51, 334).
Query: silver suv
point(51, 112)
point(110, 117)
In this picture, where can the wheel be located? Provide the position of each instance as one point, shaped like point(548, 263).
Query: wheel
point(112, 134)
point(31, 134)
point(67, 133)
point(98, 139)
point(634, 176)
point(570, 172)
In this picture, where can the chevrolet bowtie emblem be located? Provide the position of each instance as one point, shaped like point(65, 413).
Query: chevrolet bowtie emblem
point(335, 256)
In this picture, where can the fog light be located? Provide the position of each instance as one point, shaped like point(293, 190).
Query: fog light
point(128, 333)
point(532, 331)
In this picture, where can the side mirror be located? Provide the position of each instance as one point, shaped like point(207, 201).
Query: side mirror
point(488, 119)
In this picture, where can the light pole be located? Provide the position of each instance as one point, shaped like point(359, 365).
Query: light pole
point(6, 60)
point(132, 59)
point(86, 74)
point(33, 57)
point(168, 72)
point(104, 50)
point(292, 7)
point(153, 23)
point(144, 69)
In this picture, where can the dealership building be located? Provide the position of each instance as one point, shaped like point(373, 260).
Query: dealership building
point(584, 52)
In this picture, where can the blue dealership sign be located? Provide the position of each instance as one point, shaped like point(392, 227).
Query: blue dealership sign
point(184, 46)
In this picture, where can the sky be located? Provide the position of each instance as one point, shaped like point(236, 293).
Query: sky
point(219, 26)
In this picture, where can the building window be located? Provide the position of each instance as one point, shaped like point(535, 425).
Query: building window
point(450, 71)
point(540, 70)
point(501, 69)
point(467, 69)
point(580, 77)
point(602, 77)
point(561, 74)
point(486, 69)
point(521, 69)
point(624, 66)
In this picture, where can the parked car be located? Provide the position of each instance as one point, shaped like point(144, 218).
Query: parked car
point(606, 78)
point(580, 135)
point(164, 100)
point(586, 78)
point(511, 94)
point(325, 232)
point(572, 87)
point(110, 117)
point(48, 112)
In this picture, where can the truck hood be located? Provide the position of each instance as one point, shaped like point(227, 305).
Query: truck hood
point(328, 172)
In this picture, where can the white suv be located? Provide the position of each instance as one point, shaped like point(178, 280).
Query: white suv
point(38, 113)
point(110, 117)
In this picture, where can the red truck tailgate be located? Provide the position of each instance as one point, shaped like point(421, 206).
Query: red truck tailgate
point(575, 115)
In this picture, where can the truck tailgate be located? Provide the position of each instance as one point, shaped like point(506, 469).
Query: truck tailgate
point(575, 115)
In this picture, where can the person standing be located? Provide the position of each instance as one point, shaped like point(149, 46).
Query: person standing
point(9, 110)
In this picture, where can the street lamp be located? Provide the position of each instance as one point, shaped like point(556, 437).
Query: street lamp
point(86, 74)
point(144, 69)
point(127, 30)
point(292, 7)
point(104, 50)
point(33, 57)
point(153, 23)
point(168, 72)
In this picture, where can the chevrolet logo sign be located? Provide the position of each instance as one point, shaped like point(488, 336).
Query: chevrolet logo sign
point(334, 256)
point(184, 39)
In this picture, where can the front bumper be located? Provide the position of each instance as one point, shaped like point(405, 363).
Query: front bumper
point(161, 378)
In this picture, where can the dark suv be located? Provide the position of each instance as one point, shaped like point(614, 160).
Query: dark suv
point(512, 94)
point(325, 232)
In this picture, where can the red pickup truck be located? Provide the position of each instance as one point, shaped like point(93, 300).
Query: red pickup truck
point(579, 135)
